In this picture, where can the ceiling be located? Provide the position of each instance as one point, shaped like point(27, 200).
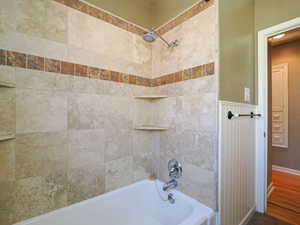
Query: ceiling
point(146, 13)
point(292, 35)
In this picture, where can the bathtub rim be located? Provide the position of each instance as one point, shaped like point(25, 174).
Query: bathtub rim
point(192, 219)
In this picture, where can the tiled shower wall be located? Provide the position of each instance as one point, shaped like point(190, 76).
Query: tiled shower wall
point(74, 135)
point(192, 136)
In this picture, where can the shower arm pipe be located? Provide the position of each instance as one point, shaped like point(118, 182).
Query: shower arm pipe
point(161, 38)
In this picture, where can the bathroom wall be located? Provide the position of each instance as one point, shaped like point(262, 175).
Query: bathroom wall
point(74, 136)
point(236, 50)
point(267, 15)
point(77, 70)
point(135, 11)
point(289, 53)
point(192, 104)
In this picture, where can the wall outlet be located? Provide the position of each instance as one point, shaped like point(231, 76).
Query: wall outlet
point(247, 94)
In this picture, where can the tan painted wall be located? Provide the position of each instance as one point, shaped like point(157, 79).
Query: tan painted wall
point(135, 11)
point(236, 49)
point(267, 15)
point(165, 10)
point(290, 53)
point(146, 13)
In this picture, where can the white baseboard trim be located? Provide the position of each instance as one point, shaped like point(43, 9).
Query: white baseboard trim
point(248, 216)
point(286, 170)
point(271, 188)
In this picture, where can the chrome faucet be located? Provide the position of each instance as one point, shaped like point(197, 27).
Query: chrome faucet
point(172, 184)
point(171, 198)
point(175, 172)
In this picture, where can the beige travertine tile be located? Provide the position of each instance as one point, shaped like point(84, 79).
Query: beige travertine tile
point(30, 17)
point(63, 82)
point(76, 22)
point(117, 112)
point(41, 154)
point(7, 16)
point(34, 79)
point(85, 179)
point(86, 111)
point(118, 173)
point(145, 154)
point(56, 22)
point(7, 161)
point(8, 74)
point(146, 112)
point(200, 184)
point(48, 114)
point(197, 46)
point(7, 111)
point(92, 140)
point(200, 149)
point(118, 143)
point(41, 18)
point(30, 197)
point(204, 85)
point(6, 217)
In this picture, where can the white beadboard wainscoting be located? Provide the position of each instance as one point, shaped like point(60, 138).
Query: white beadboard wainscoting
point(237, 164)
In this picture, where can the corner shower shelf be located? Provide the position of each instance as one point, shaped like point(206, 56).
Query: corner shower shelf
point(6, 84)
point(151, 128)
point(6, 138)
point(151, 97)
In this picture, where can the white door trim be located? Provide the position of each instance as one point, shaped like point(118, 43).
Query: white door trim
point(262, 124)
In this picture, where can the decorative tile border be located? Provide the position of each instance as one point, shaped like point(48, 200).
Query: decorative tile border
point(117, 21)
point(102, 15)
point(17, 59)
point(194, 10)
point(187, 74)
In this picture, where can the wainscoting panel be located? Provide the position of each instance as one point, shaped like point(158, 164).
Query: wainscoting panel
point(237, 164)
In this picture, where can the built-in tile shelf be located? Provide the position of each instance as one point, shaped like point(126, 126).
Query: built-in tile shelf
point(6, 138)
point(151, 128)
point(151, 97)
point(6, 84)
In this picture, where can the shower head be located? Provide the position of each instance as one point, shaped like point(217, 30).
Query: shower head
point(151, 36)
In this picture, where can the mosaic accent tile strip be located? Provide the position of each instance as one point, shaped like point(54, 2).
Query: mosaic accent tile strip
point(17, 59)
point(102, 15)
point(187, 74)
point(194, 10)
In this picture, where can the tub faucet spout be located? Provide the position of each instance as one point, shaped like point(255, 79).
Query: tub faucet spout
point(172, 184)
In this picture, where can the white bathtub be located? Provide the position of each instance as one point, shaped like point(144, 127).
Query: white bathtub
point(136, 204)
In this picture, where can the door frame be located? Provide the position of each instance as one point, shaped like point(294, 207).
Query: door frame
point(261, 166)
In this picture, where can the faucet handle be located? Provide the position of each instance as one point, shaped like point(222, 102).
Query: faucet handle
point(175, 169)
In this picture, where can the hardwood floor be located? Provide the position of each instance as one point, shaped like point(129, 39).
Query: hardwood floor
point(286, 180)
point(284, 201)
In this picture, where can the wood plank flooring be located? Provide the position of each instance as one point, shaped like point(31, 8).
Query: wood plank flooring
point(284, 201)
point(286, 180)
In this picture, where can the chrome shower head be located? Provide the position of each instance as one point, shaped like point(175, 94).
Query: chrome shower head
point(149, 36)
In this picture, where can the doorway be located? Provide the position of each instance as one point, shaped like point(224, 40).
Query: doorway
point(283, 197)
point(264, 138)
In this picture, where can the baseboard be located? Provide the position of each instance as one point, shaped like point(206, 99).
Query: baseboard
point(286, 170)
point(248, 216)
point(270, 189)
